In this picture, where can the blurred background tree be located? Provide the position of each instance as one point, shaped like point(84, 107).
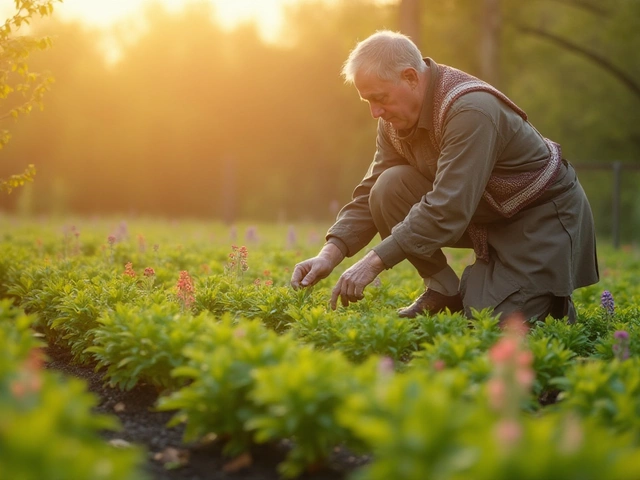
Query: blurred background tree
point(16, 80)
point(195, 119)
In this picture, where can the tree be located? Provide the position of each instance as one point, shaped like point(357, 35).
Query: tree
point(15, 78)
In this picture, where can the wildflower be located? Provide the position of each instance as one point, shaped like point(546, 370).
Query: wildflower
point(512, 378)
point(386, 366)
point(29, 379)
point(155, 247)
point(268, 283)
point(111, 239)
point(237, 261)
point(508, 432)
point(149, 272)
point(257, 282)
point(439, 365)
point(291, 237)
point(606, 301)
point(185, 289)
point(251, 234)
point(621, 345)
point(142, 244)
point(128, 270)
point(266, 273)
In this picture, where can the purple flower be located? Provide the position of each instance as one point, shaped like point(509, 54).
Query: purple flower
point(621, 345)
point(606, 300)
point(621, 335)
point(292, 238)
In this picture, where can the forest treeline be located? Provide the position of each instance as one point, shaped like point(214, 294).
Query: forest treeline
point(197, 120)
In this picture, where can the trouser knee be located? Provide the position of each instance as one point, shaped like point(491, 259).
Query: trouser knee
point(396, 190)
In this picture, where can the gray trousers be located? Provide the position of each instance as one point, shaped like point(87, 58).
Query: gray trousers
point(395, 192)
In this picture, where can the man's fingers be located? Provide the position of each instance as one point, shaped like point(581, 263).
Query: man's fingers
point(297, 276)
point(335, 293)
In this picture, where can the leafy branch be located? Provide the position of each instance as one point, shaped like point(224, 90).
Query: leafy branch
point(15, 77)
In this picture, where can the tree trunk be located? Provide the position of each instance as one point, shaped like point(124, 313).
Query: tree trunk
point(410, 19)
point(490, 42)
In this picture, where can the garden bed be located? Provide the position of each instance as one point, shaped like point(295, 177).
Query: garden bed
point(143, 426)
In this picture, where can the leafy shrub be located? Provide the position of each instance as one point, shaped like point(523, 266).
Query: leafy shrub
point(572, 337)
point(299, 399)
point(47, 427)
point(142, 344)
point(551, 359)
point(606, 391)
point(220, 371)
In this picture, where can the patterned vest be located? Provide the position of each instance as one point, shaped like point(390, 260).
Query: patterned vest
point(505, 194)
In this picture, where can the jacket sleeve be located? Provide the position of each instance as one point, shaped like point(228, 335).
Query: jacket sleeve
point(354, 227)
point(470, 147)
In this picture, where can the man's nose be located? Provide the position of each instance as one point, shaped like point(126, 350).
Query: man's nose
point(376, 111)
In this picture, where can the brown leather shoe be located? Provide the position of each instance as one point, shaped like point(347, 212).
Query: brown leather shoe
point(432, 302)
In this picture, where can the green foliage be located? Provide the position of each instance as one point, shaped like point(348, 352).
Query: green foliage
point(220, 370)
point(551, 359)
point(412, 424)
point(413, 393)
point(47, 427)
point(606, 391)
point(572, 337)
point(605, 347)
point(300, 398)
point(14, 51)
point(142, 344)
point(269, 303)
point(358, 336)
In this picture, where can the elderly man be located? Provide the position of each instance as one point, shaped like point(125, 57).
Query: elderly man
point(457, 164)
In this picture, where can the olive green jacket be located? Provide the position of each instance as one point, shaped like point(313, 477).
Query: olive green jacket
point(548, 247)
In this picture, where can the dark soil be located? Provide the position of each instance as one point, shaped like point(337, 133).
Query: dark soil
point(143, 426)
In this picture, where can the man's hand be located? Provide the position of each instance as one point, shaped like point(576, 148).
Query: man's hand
point(311, 271)
point(351, 284)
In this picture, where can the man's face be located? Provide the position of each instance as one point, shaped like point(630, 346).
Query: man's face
point(396, 102)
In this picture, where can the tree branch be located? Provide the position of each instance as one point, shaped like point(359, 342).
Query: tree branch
point(601, 61)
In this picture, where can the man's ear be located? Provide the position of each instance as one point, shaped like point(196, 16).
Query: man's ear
point(410, 75)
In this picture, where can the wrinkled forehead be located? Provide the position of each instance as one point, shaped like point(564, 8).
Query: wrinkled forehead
point(371, 85)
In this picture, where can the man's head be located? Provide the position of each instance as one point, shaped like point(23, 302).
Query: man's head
point(389, 73)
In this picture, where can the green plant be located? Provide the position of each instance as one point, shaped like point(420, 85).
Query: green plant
point(299, 399)
point(47, 427)
point(142, 344)
point(573, 337)
point(219, 370)
point(606, 391)
point(551, 359)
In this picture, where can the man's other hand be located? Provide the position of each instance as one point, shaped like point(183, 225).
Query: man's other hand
point(351, 284)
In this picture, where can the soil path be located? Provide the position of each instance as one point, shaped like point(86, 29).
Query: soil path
point(143, 426)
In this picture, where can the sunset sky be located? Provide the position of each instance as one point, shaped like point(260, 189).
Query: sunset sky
point(267, 14)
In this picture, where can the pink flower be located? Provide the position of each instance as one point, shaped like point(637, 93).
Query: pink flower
point(508, 432)
point(504, 350)
point(185, 289)
point(111, 239)
point(496, 390)
point(149, 272)
point(128, 270)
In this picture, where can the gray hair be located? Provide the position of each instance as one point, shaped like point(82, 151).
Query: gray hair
point(384, 53)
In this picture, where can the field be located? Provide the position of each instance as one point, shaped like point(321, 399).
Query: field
point(195, 324)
